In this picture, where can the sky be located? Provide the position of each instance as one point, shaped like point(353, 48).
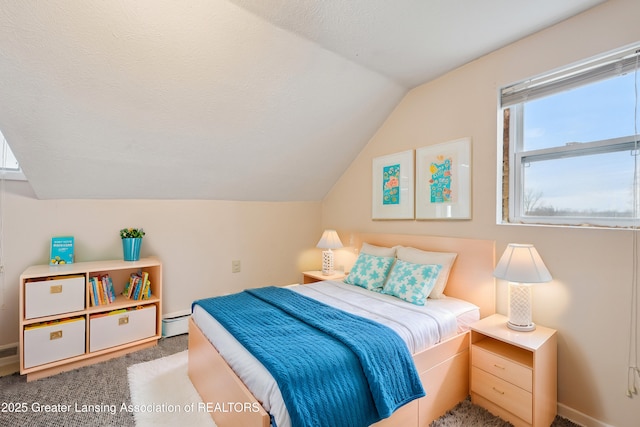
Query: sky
point(595, 112)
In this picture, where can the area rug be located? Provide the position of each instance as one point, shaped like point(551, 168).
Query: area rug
point(162, 394)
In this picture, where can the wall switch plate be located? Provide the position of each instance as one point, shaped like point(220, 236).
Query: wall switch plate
point(235, 266)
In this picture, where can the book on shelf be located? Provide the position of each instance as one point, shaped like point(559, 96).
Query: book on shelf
point(101, 291)
point(52, 322)
point(138, 287)
point(120, 311)
point(61, 250)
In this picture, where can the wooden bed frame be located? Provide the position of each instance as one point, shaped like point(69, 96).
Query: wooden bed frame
point(443, 368)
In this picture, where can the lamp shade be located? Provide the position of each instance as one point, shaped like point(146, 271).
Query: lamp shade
point(522, 263)
point(329, 240)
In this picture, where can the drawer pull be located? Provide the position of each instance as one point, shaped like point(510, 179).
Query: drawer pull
point(123, 320)
point(55, 335)
point(57, 289)
point(497, 391)
point(499, 366)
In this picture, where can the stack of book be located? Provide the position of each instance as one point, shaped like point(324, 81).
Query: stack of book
point(138, 287)
point(101, 290)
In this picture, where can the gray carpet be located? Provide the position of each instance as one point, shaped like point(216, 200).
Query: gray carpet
point(101, 385)
point(104, 386)
point(467, 414)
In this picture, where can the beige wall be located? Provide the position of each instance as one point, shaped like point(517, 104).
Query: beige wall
point(195, 240)
point(588, 301)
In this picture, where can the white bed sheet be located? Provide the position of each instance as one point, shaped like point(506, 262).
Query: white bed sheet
point(420, 327)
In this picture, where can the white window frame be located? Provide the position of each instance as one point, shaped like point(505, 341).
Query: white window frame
point(5, 172)
point(514, 96)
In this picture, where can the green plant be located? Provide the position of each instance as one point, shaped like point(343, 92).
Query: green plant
point(127, 233)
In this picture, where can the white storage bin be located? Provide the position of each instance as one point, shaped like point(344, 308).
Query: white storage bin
point(51, 297)
point(54, 342)
point(121, 328)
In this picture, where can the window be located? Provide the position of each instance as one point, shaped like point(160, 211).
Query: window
point(570, 145)
point(9, 167)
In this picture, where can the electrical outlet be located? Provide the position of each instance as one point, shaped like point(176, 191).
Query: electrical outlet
point(235, 266)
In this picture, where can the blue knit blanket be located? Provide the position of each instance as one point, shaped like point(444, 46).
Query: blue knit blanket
point(333, 368)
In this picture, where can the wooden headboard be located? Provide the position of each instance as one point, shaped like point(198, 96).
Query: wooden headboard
point(471, 277)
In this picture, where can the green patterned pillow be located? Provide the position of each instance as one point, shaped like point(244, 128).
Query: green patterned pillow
point(370, 271)
point(412, 282)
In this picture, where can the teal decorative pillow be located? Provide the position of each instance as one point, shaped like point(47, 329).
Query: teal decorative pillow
point(417, 256)
point(370, 271)
point(412, 282)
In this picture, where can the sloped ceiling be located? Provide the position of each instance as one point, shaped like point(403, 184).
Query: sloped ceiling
point(228, 100)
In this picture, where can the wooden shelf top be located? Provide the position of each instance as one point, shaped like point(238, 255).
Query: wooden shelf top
point(88, 266)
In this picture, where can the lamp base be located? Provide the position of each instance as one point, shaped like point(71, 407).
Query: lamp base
point(522, 328)
point(520, 308)
point(327, 263)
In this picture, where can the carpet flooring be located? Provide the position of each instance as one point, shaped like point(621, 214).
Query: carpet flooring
point(468, 414)
point(102, 386)
point(99, 395)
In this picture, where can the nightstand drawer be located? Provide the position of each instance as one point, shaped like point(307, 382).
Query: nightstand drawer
point(502, 393)
point(505, 369)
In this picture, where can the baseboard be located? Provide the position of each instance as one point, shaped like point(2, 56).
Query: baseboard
point(9, 354)
point(9, 360)
point(9, 369)
point(579, 418)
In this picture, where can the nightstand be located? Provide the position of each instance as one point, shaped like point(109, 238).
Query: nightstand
point(317, 276)
point(514, 374)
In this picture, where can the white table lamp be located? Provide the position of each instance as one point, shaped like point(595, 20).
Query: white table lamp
point(328, 241)
point(522, 266)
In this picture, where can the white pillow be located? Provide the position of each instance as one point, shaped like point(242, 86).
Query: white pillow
point(417, 256)
point(378, 250)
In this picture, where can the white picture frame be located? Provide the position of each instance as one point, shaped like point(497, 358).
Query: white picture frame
point(443, 181)
point(393, 186)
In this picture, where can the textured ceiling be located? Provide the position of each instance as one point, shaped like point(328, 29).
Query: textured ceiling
point(227, 100)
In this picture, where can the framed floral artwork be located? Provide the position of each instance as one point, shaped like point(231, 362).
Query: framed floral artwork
point(443, 180)
point(393, 186)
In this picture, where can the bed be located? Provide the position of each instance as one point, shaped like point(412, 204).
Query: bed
point(443, 368)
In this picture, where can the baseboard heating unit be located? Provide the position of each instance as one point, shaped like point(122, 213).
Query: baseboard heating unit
point(176, 323)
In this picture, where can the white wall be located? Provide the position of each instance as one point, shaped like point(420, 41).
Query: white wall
point(588, 301)
point(195, 239)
